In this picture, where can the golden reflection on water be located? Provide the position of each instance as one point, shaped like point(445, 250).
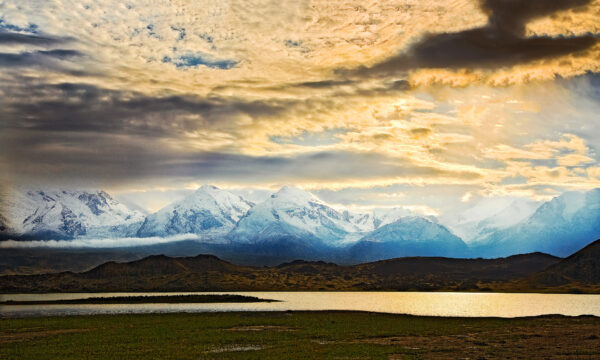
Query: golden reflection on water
point(415, 303)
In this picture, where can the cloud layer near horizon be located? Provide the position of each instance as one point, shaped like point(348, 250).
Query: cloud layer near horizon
point(489, 97)
point(100, 243)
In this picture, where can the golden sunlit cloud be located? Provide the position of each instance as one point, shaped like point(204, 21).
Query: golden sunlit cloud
point(334, 95)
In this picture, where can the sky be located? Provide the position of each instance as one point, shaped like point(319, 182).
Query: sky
point(416, 103)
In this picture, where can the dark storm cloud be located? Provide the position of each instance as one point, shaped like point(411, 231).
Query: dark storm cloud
point(80, 132)
point(324, 165)
point(36, 58)
point(51, 56)
point(86, 108)
point(501, 42)
point(511, 16)
point(77, 132)
point(325, 84)
point(347, 88)
point(88, 157)
point(15, 38)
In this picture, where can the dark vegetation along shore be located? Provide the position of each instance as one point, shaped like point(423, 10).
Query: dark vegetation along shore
point(145, 299)
point(297, 335)
point(536, 272)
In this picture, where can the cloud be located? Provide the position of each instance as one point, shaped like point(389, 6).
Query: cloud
point(107, 155)
point(420, 132)
point(511, 16)
point(132, 95)
point(325, 83)
point(500, 43)
point(97, 243)
point(37, 58)
point(24, 57)
point(14, 38)
point(94, 109)
point(574, 160)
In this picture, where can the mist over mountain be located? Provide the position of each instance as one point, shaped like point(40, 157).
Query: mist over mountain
point(410, 236)
point(293, 223)
point(559, 227)
point(488, 216)
point(376, 218)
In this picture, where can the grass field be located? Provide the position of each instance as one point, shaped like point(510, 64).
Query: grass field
point(296, 335)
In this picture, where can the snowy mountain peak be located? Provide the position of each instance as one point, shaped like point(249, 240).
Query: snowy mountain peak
point(376, 218)
point(66, 213)
point(210, 189)
point(292, 212)
point(294, 195)
point(409, 236)
point(208, 211)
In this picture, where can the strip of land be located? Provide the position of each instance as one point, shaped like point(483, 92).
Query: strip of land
point(160, 299)
point(297, 335)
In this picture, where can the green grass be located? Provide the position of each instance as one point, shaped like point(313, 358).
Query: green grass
point(284, 335)
point(144, 299)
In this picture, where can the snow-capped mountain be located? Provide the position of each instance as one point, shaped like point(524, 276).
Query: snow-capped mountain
point(292, 213)
point(559, 227)
point(293, 223)
point(409, 236)
point(208, 211)
point(488, 216)
point(372, 220)
point(66, 214)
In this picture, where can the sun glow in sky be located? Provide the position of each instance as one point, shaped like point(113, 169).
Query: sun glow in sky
point(368, 103)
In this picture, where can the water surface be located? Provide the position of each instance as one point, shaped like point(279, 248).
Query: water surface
point(413, 303)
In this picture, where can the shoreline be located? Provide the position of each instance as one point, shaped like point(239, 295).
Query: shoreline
point(548, 291)
point(288, 312)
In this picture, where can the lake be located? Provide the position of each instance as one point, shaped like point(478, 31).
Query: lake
point(413, 303)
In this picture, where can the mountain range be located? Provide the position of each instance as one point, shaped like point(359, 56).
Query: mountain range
point(209, 211)
point(66, 214)
point(210, 273)
point(535, 272)
point(293, 223)
point(559, 227)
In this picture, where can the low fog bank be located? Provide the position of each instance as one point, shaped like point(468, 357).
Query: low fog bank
point(98, 243)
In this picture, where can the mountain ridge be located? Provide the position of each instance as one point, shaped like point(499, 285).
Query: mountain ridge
point(580, 267)
point(560, 227)
point(66, 214)
point(293, 223)
point(210, 273)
